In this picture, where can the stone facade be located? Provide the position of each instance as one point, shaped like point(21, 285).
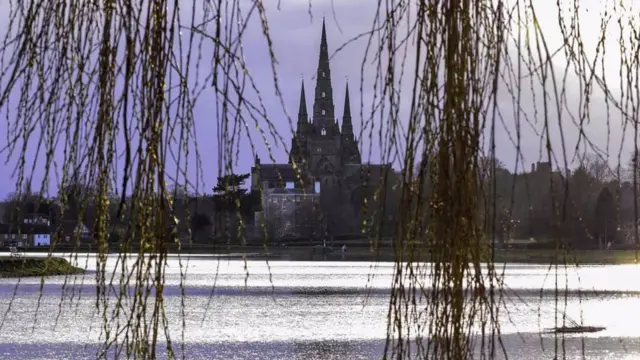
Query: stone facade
point(288, 213)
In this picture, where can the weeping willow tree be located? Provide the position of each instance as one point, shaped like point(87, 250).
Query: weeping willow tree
point(103, 88)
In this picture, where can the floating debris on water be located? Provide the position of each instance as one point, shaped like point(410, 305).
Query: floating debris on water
point(576, 329)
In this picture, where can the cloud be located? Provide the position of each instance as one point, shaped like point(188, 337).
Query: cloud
point(579, 114)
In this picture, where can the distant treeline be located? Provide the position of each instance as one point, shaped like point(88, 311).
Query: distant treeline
point(201, 218)
point(586, 207)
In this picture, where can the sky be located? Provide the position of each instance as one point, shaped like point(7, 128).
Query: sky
point(295, 28)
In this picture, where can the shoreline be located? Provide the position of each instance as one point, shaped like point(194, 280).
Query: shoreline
point(581, 257)
point(13, 267)
point(386, 254)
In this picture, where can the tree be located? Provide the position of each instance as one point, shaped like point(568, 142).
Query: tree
point(228, 193)
point(546, 195)
point(605, 220)
point(178, 191)
point(486, 165)
point(19, 206)
point(13, 209)
point(579, 211)
point(495, 185)
point(231, 183)
point(228, 190)
point(634, 168)
point(461, 47)
point(200, 224)
point(78, 201)
point(597, 167)
point(199, 221)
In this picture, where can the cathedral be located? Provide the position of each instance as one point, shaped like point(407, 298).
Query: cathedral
point(324, 156)
point(319, 141)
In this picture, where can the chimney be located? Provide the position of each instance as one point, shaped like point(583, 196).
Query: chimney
point(533, 167)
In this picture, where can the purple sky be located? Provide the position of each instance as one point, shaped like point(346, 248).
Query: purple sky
point(296, 38)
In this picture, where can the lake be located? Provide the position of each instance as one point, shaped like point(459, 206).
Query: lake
point(312, 310)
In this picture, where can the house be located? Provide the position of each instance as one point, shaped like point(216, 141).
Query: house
point(25, 235)
point(11, 236)
point(73, 230)
point(41, 240)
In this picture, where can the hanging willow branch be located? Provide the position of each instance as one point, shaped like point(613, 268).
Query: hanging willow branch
point(104, 88)
point(102, 91)
point(471, 63)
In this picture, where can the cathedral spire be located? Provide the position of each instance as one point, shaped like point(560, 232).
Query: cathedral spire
point(323, 109)
point(347, 126)
point(299, 138)
point(350, 151)
point(324, 52)
point(302, 110)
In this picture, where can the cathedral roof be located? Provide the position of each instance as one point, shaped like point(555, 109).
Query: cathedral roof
point(275, 171)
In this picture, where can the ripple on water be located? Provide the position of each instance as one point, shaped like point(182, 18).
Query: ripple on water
point(309, 311)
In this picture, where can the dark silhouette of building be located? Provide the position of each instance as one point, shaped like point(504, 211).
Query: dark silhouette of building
point(324, 156)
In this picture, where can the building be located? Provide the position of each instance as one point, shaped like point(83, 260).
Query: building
point(288, 213)
point(74, 232)
point(25, 235)
point(324, 157)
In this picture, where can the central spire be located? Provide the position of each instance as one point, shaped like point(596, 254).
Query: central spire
point(324, 51)
point(347, 126)
point(323, 109)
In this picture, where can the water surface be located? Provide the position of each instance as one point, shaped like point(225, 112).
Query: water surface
point(313, 310)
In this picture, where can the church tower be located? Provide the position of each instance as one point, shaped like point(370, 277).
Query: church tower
point(324, 137)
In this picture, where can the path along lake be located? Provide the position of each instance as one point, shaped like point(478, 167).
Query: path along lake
point(313, 310)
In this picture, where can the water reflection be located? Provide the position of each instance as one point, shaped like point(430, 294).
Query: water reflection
point(313, 310)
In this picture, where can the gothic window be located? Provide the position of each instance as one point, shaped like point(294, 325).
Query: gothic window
point(323, 132)
point(323, 74)
point(323, 112)
point(323, 94)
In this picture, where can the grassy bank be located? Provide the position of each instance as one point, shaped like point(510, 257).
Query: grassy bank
point(570, 257)
point(29, 266)
point(363, 253)
point(584, 257)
